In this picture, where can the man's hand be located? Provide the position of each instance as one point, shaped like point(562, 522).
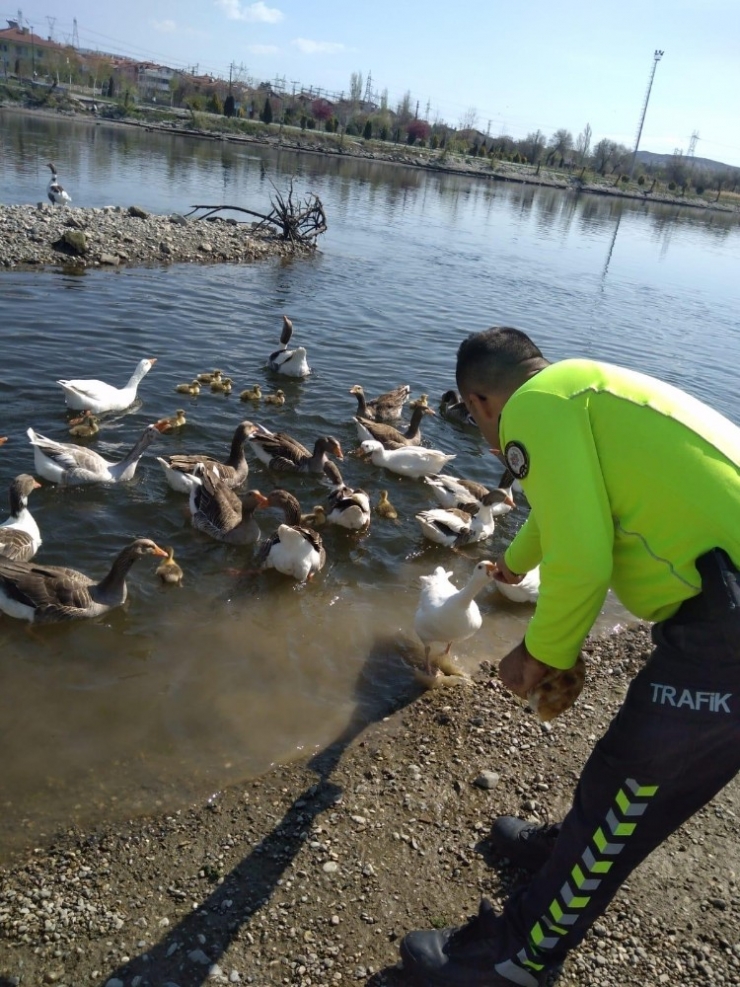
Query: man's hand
point(504, 574)
point(520, 672)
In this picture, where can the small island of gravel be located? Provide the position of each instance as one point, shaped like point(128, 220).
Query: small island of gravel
point(42, 235)
point(310, 875)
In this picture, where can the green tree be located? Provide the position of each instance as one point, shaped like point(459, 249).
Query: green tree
point(266, 114)
point(214, 104)
point(367, 132)
point(111, 87)
point(229, 105)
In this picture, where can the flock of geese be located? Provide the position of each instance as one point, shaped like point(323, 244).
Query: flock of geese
point(466, 511)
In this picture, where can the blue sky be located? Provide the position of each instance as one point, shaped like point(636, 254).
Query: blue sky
point(522, 67)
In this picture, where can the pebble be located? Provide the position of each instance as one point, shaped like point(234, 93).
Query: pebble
point(198, 956)
point(487, 780)
point(330, 867)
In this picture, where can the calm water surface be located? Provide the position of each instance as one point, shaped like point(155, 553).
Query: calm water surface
point(188, 689)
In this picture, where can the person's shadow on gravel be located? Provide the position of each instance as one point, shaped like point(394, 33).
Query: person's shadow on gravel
point(385, 684)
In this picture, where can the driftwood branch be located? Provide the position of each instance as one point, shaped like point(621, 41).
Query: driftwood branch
point(295, 221)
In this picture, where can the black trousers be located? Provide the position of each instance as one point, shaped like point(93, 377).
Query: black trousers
point(672, 746)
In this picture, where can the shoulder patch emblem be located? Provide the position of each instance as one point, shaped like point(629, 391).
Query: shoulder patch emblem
point(517, 459)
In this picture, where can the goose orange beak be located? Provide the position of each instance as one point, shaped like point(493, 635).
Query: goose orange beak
point(160, 551)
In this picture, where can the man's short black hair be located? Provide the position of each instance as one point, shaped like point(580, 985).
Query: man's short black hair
point(494, 359)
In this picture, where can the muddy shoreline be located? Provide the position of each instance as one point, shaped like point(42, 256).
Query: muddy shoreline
point(312, 873)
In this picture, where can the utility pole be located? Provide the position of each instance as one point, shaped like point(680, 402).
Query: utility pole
point(657, 55)
point(51, 21)
point(416, 114)
point(369, 88)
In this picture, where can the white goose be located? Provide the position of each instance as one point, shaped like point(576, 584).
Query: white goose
point(20, 537)
point(527, 591)
point(57, 195)
point(348, 507)
point(292, 363)
point(452, 491)
point(446, 613)
point(293, 549)
point(73, 465)
point(454, 527)
point(410, 461)
point(98, 397)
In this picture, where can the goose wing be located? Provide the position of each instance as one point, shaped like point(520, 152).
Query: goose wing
point(53, 592)
point(68, 456)
point(218, 507)
point(16, 544)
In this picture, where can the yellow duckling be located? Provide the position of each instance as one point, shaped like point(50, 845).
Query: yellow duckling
point(252, 394)
point(192, 389)
point(85, 426)
point(222, 386)
point(277, 398)
point(176, 421)
point(209, 377)
point(316, 518)
point(384, 506)
point(169, 571)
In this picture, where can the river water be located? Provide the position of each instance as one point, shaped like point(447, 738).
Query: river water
point(186, 690)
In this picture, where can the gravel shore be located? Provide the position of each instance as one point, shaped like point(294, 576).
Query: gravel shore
point(44, 235)
point(310, 875)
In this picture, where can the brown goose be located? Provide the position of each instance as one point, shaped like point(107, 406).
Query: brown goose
point(348, 507)
point(390, 437)
point(218, 512)
point(386, 407)
point(20, 537)
point(281, 451)
point(452, 407)
point(44, 594)
point(293, 549)
point(233, 471)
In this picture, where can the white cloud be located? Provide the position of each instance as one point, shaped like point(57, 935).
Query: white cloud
point(263, 49)
point(258, 11)
point(166, 27)
point(309, 47)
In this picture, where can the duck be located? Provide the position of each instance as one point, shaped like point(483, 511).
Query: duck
point(84, 427)
point(45, 594)
point(454, 527)
point(175, 421)
point(293, 549)
point(390, 437)
point(452, 491)
point(73, 465)
point(409, 461)
point(193, 389)
point(223, 385)
point(57, 195)
point(178, 469)
point(169, 571)
point(209, 376)
point(251, 394)
point(20, 537)
point(219, 513)
point(99, 397)
point(446, 614)
point(386, 407)
point(453, 408)
point(281, 451)
point(348, 507)
point(277, 398)
point(315, 518)
point(292, 363)
point(384, 506)
point(526, 591)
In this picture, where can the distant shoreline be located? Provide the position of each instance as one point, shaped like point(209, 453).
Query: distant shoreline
point(410, 157)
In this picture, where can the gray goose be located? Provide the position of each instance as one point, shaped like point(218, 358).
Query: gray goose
point(452, 407)
point(72, 465)
point(219, 513)
point(390, 437)
point(453, 491)
point(45, 594)
point(20, 537)
point(386, 407)
point(178, 470)
point(294, 550)
point(348, 507)
point(281, 451)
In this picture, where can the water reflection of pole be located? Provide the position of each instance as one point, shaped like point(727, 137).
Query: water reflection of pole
point(611, 250)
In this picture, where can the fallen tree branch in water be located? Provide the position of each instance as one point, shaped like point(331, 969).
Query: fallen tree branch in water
point(297, 222)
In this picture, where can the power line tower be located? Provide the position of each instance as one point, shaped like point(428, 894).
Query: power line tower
point(75, 35)
point(692, 144)
point(369, 88)
point(51, 22)
point(657, 55)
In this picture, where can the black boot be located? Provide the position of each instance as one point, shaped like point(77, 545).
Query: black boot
point(462, 957)
point(525, 844)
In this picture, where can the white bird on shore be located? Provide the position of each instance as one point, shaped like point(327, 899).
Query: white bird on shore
point(57, 195)
point(99, 397)
point(445, 613)
point(409, 461)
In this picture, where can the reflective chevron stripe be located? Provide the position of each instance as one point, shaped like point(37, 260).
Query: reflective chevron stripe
point(596, 860)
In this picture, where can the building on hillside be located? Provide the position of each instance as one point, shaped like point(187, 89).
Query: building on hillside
point(155, 80)
point(24, 53)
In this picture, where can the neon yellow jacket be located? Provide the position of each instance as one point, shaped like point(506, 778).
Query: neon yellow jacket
point(629, 481)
